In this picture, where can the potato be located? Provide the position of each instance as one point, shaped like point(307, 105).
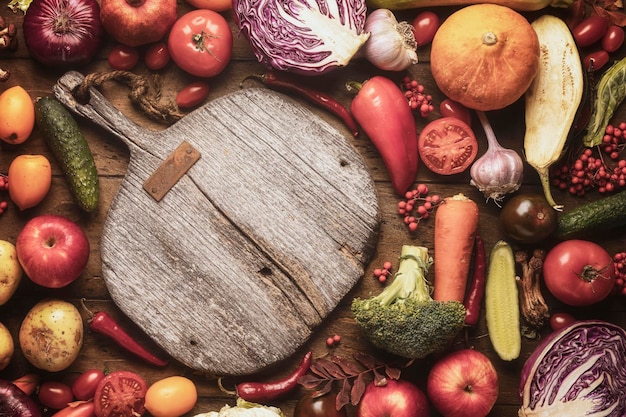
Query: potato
point(51, 335)
point(10, 271)
point(6, 346)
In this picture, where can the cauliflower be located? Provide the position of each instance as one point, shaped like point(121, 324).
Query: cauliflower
point(245, 409)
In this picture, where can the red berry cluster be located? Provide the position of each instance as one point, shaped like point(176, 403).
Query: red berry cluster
point(418, 101)
point(590, 171)
point(417, 205)
point(619, 260)
point(333, 341)
point(4, 186)
point(383, 273)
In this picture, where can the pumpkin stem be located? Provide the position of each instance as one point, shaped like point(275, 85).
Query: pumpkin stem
point(489, 38)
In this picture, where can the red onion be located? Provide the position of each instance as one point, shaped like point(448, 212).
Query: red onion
point(15, 403)
point(63, 33)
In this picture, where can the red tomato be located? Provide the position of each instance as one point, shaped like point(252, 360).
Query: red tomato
point(55, 395)
point(451, 108)
point(201, 43)
point(120, 394)
point(84, 386)
point(590, 30)
point(425, 26)
point(613, 38)
point(560, 320)
point(318, 406)
point(579, 272)
point(192, 94)
point(123, 57)
point(157, 56)
point(447, 146)
point(595, 60)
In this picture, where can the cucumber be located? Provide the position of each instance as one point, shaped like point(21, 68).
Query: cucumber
point(71, 150)
point(597, 218)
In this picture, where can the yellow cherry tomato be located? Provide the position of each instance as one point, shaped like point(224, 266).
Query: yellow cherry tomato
point(215, 5)
point(30, 177)
point(171, 397)
point(17, 115)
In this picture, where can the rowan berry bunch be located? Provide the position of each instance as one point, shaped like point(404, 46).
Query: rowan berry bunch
point(418, 100)
point(381, 274)
point(619, 260)
point(589, 171)
point(4, 186)
point(417, 206)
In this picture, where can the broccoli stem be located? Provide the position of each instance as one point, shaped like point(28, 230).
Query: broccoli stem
point(410, 280)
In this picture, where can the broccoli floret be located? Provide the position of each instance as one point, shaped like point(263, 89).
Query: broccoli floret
point(404, 319)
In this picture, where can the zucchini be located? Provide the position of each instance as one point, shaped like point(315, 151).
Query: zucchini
point(502, 308)
point(553, 98)
point(597, 218)
point(71, 150)
point(519, 5)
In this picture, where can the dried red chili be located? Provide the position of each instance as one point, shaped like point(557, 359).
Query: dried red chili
point(381, 109)
point(283, 83)
point(262, 392)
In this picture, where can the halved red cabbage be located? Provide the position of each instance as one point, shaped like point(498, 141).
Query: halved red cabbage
point(578, 371)
point(304, 36)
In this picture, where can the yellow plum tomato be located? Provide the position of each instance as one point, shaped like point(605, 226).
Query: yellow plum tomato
point(30, 177)
point(17, 115)
point(51, 335)
point(172, 396)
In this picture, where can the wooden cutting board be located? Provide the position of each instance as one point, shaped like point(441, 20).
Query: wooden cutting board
point(238, 263)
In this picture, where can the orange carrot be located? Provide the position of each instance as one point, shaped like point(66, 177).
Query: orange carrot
point(456, 223)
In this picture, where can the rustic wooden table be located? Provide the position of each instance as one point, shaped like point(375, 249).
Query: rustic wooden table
point(112, 158)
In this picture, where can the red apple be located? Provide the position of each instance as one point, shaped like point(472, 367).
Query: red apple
point(53, 250)
point(463, 384)
point(398, 398)
point(138, 22)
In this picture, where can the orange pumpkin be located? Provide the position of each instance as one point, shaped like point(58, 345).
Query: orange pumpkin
point(485, 56)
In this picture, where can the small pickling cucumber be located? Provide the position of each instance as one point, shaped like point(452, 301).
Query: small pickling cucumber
point(502, 309)
point(71, 150)
point(595, 218)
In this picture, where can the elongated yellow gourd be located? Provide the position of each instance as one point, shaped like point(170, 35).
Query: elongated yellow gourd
point(552, 99)
point(502, 311)
point(520, 5)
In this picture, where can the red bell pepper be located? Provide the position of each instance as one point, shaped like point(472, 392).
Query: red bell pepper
point(383, 112)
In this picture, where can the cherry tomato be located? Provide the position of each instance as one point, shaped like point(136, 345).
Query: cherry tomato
point(30, 177)
point(447, 146)
point(425, 26)
point(84, 386)
point(613, 38)
point(120, 394)
point(123, 57)
point(595, 60)
point(192, 94)
point(579, 272)
point(590, 30)
point(77, 409)
point(17, 115)
point(201, 43)
point(528, 218)
point(215, 5)
point(560, 320)
point(171, 397)
point(323, 406)
point(55, 395)
point(157, 56)
point(451, 108)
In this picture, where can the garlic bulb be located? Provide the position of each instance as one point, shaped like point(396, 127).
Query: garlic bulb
point(391, 45)
point(499, 171)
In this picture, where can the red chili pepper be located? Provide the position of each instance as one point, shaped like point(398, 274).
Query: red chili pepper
point(104, 324)
point(261, 392)
point(27, 383)
point(474, 297)
point(383, 112)
point(282, 82)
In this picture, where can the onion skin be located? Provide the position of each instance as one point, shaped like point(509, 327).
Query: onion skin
point(63, 33)
point(15, 403)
